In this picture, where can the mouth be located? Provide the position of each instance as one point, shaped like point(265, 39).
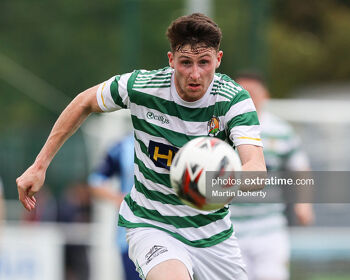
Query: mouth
point(194, 86)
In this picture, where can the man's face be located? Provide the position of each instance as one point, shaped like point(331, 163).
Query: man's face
point(194, 70)
point(256, 90)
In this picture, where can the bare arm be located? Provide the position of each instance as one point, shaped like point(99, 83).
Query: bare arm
point(252, 158)
point(67, 123)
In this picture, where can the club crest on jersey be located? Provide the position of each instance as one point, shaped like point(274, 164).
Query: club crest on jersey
point(213, 126)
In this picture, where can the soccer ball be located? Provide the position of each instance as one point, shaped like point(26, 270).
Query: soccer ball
point(189, 176)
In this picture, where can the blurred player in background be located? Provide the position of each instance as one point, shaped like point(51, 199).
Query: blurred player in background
point(261, 229)
point(2, 202)
point(170, 106)
point(119, 162)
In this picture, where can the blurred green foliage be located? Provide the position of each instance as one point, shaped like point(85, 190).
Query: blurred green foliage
point(73, 45)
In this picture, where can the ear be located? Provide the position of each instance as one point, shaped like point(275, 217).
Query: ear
point(171, 59)
point(218, 58)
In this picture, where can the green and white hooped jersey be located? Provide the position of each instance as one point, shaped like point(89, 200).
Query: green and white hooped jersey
point(163, 123)
point(282, 151)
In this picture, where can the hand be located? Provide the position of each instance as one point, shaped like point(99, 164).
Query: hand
point(304, 213)
point(28, 184)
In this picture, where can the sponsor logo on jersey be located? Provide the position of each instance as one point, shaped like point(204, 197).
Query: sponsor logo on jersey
point(213, 126)
point(160, 118)
point(161, 154)
point(155, 251)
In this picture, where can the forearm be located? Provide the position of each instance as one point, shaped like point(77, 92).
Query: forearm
point(254, 166)
point(252, 158)
point(68, 122)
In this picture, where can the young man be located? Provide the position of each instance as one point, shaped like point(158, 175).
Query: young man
point(262, 228)
point(169, 107)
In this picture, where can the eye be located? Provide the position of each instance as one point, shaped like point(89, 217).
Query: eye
point(185, 62)
point(203, 62)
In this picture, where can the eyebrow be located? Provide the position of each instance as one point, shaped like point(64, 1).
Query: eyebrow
point(188, 57)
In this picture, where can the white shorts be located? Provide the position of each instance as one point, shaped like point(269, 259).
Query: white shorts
point(149, 247)
point(266, 256)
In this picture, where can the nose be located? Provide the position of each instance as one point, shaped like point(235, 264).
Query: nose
point(195, 72)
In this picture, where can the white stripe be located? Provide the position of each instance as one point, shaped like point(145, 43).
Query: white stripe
point(240, 108)
point(175, 124)
point(151, 185)
point(104, 98)
point(252, 131)
point(159, 72)
point(190, 233)
point(165, 209)
point(146, 138)
point(123, 88)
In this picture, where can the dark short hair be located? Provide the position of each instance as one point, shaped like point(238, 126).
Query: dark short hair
point(195, 29)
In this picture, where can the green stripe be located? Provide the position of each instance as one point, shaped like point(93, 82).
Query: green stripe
point(151, 175)
point(242, 95)
point(172, 199)
point(137, 83)
point(145, 86)
point(230, 87)
point(175, 138)
point(158, 72)
point(200, 243)
point(115, 92)
point(142, 145)
point(224, 77)
point(131, 82)
point(230, 93)
point(196, 221)
point(229, 98)
point(250, 118)
point(165, 78)
point(173, 109)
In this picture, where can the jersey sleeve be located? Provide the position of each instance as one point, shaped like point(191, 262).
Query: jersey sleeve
point(113, 94)
point(242, 121)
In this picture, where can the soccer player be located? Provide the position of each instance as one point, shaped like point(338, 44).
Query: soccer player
point(2, 200)
point(169, 107)
point(261, 229)
point(119, 162)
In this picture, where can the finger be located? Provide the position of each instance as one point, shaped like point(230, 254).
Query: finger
point(25, 200)
point(26, 204)
point(22, 196)
point(30, 203)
